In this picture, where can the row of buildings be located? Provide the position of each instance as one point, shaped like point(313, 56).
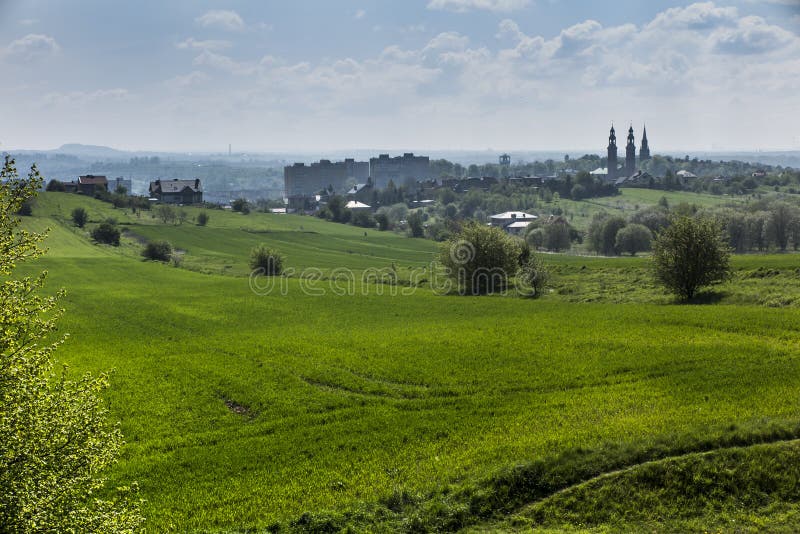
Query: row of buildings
point(305, 180)
point(166, 191)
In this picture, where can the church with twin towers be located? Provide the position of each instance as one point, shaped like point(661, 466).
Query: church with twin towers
point(629, 169)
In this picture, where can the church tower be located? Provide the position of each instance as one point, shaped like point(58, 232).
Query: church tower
point(612, 155)
point(644, 150)
point(630, 154)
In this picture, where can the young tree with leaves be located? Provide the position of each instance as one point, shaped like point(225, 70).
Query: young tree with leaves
point(55, 437)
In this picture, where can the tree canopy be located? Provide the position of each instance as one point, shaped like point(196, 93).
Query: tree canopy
point(55, 437)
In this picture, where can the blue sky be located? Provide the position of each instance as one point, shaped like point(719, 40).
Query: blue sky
point(440, 74)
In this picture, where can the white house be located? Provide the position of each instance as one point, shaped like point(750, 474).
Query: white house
point(508, 217)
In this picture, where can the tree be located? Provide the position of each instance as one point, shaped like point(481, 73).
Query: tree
point(603, 233)
point(415, 225)
point(266, 261)
point(55, 436)
point(782, 218)
point(157, 251)
point(241, 205)
point(166, 213)
point(55, 185)
point(383, 221)
point(533, 276)
point(363, 218)
point(691, 253)
point(202, 218)
point(106, 233)
point(556, 235)
point(633, 238)
point(79, 217)
point(480, 259)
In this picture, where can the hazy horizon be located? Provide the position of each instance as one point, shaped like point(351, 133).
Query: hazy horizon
point(450, 75)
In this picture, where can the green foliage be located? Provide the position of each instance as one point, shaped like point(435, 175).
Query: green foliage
point(533, 276)
point(383, 221)
point(56, 442)
point(480, 259)
point(241, 205)
point(166, 213)
point(106, 233)
point(556, 235)
point(415, 224)
point(603, 233)
point(690, 254)
point(26, 209)
point(158, 250)
point(363, 218)
point(202, 218)
point(79, 217)
point(633, 238)
point(55, 186)
point(266, 261)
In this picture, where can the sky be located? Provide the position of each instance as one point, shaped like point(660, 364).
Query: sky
point(305, 75)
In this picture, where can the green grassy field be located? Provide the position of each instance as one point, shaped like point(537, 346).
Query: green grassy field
point(419, 411)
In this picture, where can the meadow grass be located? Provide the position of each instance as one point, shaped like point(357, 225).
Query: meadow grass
point(243, 411)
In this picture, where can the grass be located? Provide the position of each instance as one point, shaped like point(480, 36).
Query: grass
point(411, 411)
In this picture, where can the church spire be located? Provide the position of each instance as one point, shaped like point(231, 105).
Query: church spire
point(644, 150)
point(612, 154)
point(630, 154)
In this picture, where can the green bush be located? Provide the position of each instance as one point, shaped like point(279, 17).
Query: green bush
point(533, 276)
point(106, 233)
point(158, 251)
point(633, 238)
point(480, 259)
point(266, 261)
point(691, 253)
point(202, 218)
point(55, 185)
point(79, 217)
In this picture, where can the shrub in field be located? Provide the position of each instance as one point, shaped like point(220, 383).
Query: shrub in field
point(363, 219)
point(106, 233)
point(202, 218)
point(266, 261)
point(633, 238)
point(689, 254)
point(26, 209)
point(158, 251)
point(241, 205)
point(480, 259)
point(79, 217)
point(55, 185)
point(532, 277)
point(603, 233)
point(56, 435)
point(166, 213)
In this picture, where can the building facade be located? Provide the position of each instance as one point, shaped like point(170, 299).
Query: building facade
point(630, 154)
point(177, 191)
point(301, 179)
point(399, 169)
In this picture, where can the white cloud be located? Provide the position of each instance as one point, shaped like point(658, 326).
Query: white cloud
point(752, 35)
point(193, 44)
point(31, 47)
point(194, 78)
point(28, 22)
point(83, 97)
point(697, 16)
point(461, 6)
point(223, 19)
point(360, 14)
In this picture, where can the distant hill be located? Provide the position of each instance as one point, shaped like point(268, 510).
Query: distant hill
point(91, 151)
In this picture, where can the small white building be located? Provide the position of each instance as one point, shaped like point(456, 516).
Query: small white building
point(508, 217)
point(356, 205)
point(516, 228)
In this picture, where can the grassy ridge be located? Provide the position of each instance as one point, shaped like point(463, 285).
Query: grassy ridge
point(242, 410)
